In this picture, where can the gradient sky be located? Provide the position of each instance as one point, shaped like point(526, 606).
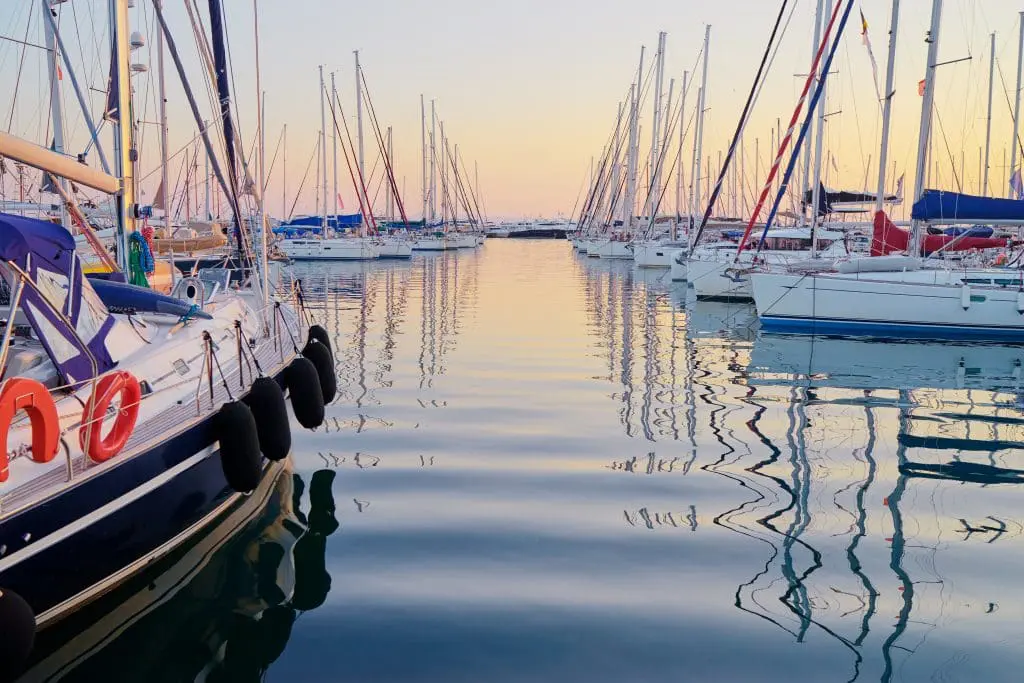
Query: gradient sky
point(529, 89)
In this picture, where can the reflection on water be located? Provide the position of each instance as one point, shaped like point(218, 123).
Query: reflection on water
point(558, 468)
point(222, 608)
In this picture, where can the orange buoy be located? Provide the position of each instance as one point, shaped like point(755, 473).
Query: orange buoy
point(21, 393)
point(98, 448)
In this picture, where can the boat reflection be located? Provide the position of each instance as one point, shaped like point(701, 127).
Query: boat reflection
point(818, 439)
point(221, 608)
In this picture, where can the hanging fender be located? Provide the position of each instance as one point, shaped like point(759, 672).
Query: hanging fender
point(101, 449)
point(21, 393)
point(965, 296)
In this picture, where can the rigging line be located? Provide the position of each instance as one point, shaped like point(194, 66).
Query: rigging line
point(273, 160)
point(744, 118)
point(945, 141)
point(298, 193)
point(1009, 105)
point(384, 153)
point(360, 187)
point(21, 65)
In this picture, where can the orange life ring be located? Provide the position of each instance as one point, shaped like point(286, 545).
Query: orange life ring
point(98, 448)
point(21, 393)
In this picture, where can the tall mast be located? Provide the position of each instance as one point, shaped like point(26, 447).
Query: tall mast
point(698, 141)
point(433, 162)
point(634, 129)
point(334, 145)
point(818, 145)
point(1016, 105)
point(652, 176)
point(444, 177)
point(124, 144)
point(387, 186)
point(323, 155)
point(988, 117)
point(359, 117)
point(679, 156)
point(423, 133)
point(284, 173)
point(890, 70)
point(56, 111)
point(924, 135)
point(206, 180)
point(614, 156)
point(260, 159)
point(165, 189)
point(819, 22)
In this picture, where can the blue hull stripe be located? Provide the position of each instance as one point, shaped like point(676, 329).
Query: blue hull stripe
point(894, 330)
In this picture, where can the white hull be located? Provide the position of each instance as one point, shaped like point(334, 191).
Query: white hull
point(654, 254)
point(432, 244)
point(460, 241)
point(989, 305)
point(719, 280)
point(678, 268)
point(331, 249)
point(394, 249)
point(609, 249)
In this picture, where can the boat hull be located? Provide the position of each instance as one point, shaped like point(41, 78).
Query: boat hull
point(354, 249)
point(432, 244)
point(678, 269)
point(394, 249)
point(941, 308)
point(91, 536)
point(654, 254)
point(718, 281)
point(610, 249)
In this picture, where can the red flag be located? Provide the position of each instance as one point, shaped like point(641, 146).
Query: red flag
point(341, 202)
point(920, 88)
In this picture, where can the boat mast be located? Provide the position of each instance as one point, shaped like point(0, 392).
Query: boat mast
point(653, 175)
point(334, 146)
point(165, 190)
point(122, 125)
point(423, 139)
point(1016, 105)
point(56, 110)
point(433, 162)
point(390, 208)
point(260, 159)
point(988, 117)
point(616, 173)
point(806, 185)
point(206, 181)
point(819, 140)
point(284, 173)
point(634, 128)
point(323, 156)
point(890, 70)
point(698, 141)
point(679, 157)
point(924, 136)
point(359, 117)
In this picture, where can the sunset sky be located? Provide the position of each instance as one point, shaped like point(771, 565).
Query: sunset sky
point(529, 89)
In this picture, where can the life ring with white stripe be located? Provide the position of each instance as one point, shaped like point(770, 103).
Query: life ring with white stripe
point(22, 393)
point(92, 441)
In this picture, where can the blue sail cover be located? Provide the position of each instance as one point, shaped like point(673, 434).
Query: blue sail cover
point(46, 252)
point(313, 223)
point(938, 206)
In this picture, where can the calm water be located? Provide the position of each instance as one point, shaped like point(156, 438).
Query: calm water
point(546, 468)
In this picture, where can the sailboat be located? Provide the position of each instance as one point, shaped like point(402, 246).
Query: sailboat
point(916, 294)
point(132, 419)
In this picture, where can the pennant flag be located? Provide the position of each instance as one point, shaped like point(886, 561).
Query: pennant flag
point(920, 87)
point(341, 202)
point(1016, 185)
point(899, 188)
point(834, 166)
point(871, 55)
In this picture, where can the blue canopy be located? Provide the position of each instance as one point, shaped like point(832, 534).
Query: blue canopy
point(61, 294)
point(939, 206)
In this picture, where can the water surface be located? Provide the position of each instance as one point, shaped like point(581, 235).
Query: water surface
point(544, 467)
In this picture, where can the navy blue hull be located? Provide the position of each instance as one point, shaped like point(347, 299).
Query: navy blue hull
point(130, 532)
